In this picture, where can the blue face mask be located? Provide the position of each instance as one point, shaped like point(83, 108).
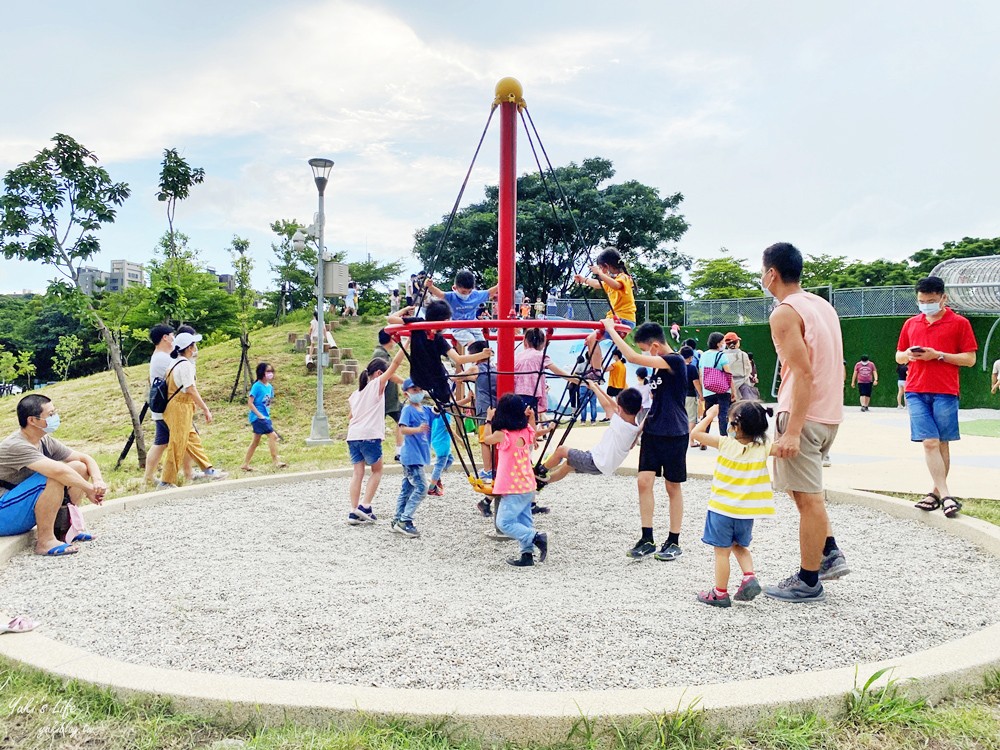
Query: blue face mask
point(929, 308)
point(51, 424)
point(416, 398)
point(732, 432)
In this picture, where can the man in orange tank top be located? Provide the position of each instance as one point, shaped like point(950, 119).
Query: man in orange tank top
point(806, 334)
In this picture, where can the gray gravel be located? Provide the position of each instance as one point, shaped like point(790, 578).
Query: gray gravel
point(273, 583)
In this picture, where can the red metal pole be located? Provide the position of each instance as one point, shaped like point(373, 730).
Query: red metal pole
point(508, 96)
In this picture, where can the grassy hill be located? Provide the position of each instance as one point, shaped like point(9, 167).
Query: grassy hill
point(95, 420)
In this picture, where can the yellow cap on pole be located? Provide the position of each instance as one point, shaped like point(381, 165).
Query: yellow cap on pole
point(509, 90)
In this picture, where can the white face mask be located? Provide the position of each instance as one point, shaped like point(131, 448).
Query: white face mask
point(51, 424)
point(763, 286)
point(929, 308)
point(463, 297)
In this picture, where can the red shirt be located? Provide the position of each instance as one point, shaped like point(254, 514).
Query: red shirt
point(951, 334)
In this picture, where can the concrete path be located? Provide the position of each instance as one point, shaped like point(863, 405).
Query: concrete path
point(873, 452)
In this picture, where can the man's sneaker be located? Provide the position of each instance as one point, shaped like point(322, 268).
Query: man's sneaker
point(668, 552)
point(356, 519)
point(834, 566)
point(486, 476)
point(212, 473)
point(366, 513)
point(542, 542)
point(434, 491)
point(484, 508)
point(537, 509)
point(526, 560)
point(712, 598)
point(165, 486)
point(792, 589)
point(406, 528)
point(641, 549)
point(748, 590)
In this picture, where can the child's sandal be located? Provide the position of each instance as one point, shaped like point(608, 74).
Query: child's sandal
point(930, 502)
point(951, 506)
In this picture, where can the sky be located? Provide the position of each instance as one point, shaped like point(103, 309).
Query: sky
point(854, 128)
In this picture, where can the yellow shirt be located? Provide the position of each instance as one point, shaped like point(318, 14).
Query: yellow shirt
point(616, 374)
point(622, 300)
point(741, 485)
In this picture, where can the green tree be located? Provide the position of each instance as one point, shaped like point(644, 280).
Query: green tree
point(181, 291)
point(875, 273)
point(369, 274)
point(51, 211)
point(553, 243)
point(67, 350)
point(177, 177)
point(968, 247)
point(25, 367)
point(821, 270)
point(246, 299)
point(294, 272)
point(724, 277)
point(8, 367)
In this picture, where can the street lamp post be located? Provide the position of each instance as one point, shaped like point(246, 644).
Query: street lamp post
point(320, 434)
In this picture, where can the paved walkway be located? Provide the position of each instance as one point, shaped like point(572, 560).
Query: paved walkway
point(873, 452)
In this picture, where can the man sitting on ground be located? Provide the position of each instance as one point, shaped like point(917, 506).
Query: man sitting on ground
point(35, 470)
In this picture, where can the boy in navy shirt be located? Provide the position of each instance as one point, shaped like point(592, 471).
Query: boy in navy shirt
point(663, 451)
point(415, 424)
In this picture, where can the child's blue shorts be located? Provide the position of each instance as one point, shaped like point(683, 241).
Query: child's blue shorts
point(367, 451)
point(723, 531)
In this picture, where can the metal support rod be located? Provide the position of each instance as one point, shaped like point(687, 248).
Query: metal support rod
point(506, 234)
point(320, 433)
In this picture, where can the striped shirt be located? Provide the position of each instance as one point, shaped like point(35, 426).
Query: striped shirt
point(741, 486)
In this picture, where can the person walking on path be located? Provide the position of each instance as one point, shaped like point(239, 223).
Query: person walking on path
point(806, 333)
point(259, 404)
point(935, 343)
point(162, 337)
point(741, 368)
point(864, 378)
point(901, 371)
point(717, 381)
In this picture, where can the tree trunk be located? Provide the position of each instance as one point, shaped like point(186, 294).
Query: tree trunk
point(116, 364)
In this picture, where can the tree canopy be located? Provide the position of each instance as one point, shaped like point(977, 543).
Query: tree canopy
point(552, 242)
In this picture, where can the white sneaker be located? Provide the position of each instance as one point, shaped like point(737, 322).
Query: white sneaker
point(213, 473)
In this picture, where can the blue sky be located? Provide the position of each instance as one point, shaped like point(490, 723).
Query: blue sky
point(853, 128)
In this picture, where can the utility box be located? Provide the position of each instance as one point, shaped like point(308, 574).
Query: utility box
point(335, 278)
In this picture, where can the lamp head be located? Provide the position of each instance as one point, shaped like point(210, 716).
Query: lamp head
point(298, 240)
point(321, 172)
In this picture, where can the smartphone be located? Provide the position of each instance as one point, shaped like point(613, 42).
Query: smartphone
point(917, 349)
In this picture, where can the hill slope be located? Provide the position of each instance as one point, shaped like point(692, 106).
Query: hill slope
point(95, 420)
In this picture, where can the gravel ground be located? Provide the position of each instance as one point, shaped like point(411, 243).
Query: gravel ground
point(273, 583)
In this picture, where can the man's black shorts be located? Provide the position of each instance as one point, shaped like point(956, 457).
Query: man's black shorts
point(667, 456)
point(864, 389)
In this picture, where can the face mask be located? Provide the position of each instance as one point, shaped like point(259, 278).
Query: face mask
point(51, 424)
point(732, 432)
point(463, 297)
point(416, 398)
point(268, 376)
point(764, 288)
point(929, 308)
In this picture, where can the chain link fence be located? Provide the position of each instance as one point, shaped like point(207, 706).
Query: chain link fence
point(863, 302)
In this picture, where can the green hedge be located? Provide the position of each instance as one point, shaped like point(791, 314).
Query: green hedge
point(876, 337)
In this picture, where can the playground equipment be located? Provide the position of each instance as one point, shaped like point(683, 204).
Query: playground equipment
point(973, 285)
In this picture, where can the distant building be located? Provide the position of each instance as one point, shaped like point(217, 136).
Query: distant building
point(123, 274)
point(226, 280)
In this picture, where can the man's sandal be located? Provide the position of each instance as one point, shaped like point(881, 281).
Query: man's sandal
point(930, 502)
point(951, 506)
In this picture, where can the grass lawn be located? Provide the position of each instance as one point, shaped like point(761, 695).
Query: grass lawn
point(38, 711)
point(982, 428)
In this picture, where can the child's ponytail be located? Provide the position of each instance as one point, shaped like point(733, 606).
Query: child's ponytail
point(377, 365)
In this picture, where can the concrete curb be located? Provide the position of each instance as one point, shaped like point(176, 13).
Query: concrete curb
point(510, 715)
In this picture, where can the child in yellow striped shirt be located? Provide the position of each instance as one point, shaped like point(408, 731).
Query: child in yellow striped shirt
point(741, 492)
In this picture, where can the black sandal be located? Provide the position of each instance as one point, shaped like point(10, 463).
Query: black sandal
point(951, 506)
point(929, 504)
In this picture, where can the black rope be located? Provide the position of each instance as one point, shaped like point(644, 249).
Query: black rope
point(454, 210)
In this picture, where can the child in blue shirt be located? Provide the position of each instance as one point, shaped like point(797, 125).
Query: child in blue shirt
point(465, 300)
point(441, 445)
point(415, 424)
point(259, 401)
